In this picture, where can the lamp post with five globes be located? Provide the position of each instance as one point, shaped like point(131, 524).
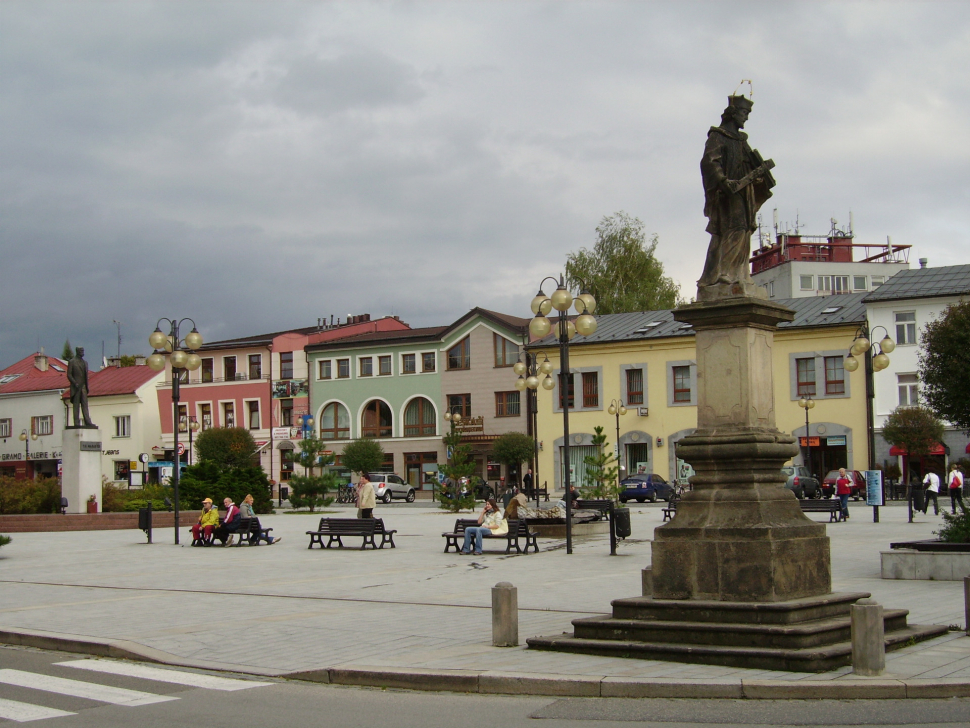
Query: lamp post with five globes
point(617, 409)
point(25, 438)
point(528, 382)
point(807, 403)
point(182, 355)
point(562, 300)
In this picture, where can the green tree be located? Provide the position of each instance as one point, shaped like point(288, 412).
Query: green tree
point(913, 429)
point(460, 465)
point(943, 372)
point(226, 447)
point(310, 490)
point(363, 456)
point(227, 468)
point(127, 360)
point(601, 470)
point(621, 270)
point(67, 353)
point(4, 540)
point(513, 448)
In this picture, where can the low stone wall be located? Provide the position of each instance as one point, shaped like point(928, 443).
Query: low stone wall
point(90, 521)
point(928, 565)
point(558, 530)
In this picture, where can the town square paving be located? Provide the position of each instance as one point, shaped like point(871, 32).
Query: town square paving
point(285, 609)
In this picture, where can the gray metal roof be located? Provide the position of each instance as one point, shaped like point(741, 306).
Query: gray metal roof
point(817, 311)
point(951, 280)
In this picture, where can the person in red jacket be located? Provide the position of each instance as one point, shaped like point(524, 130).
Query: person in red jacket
point(843, 487)
point(955, 486)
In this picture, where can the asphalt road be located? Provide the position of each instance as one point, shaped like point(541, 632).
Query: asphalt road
point(73, 690)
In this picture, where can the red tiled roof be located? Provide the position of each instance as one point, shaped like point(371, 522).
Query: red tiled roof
point(32, 379)
point(117, 380)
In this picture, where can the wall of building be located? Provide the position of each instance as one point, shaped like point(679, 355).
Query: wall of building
point(45, 451)
point(145, 427)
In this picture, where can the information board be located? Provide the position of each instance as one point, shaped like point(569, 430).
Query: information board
point(874, 492)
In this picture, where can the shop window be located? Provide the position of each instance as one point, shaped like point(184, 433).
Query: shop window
point(408, 363)
point(591, 390)
point(805, 369)
point(507, 404)
point(428, 363)
point(376, 419)
point(207, 367)
point(256, 366)
point(459, 356)
point(461, 404)
point(123, 426)
point(384, 365)
point(634, 387)
point(335, 422)
point(506, 352)
point(419, 418)
point(286, 464)
point(121, 469)
point(834, 375)
point(906, 327)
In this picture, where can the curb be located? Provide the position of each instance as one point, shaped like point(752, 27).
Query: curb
point(511, 683)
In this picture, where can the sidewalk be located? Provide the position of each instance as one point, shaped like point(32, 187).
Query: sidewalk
point(414, 616)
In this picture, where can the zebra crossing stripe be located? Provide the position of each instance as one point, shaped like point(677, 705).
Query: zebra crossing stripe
point(24, 712)
point(78, 689)
point(145, 672)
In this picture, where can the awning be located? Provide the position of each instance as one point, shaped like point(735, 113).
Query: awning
point(937, 449)
point(285, 445)
point(261, 445)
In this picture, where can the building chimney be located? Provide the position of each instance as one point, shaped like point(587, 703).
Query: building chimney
point(40, 360)
point(923, 262)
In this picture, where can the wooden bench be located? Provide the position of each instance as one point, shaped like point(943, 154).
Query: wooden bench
point(251, 532)
point(336, 528)
point(518, 529)
point(831, 506)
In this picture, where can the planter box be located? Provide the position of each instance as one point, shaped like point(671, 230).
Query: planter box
point(911, 563)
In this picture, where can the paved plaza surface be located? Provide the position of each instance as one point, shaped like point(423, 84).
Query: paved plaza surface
point(283, 608)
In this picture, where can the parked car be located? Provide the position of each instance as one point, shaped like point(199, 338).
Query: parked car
point(857, 488)
point(801, 482)
point(389, 486)
point(644, 487)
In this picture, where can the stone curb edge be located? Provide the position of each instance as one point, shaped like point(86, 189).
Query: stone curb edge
point(512, 683)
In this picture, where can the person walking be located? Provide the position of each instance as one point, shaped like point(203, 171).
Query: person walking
point(490, 522)
point(843, 487)
point(366, 497)
point(208, 520)
point(527, 482)
point(956, 488)
point(932, 483)
point(246, 511)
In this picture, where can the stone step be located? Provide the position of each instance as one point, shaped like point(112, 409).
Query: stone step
point(698, 610)
point(814, 633)
point(814, 659)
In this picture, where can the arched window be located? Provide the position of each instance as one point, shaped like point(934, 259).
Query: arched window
point(334, 422)
point(377, 419)
point(419, 418)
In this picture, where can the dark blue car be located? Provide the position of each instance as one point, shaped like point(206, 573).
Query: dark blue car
point(645, 487)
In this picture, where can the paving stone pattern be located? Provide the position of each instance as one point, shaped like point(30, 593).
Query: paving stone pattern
point(287, 608)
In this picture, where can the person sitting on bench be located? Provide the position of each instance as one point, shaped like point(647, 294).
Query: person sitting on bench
point(230, 524)
point(246, 511)
point(208, 520)
point(490, 522)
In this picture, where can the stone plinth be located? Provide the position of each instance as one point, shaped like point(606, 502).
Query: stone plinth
point(81, 467)
point(739, 536)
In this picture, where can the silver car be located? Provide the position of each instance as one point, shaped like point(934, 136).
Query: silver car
point(801, 482)
point(389, 486)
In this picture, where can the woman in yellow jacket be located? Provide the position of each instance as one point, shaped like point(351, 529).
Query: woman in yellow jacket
point(366, 497)
point(202, 531)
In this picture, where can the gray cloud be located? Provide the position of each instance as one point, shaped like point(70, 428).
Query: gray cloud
point(257, 165)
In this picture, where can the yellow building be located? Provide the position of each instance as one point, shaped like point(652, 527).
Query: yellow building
point(646, 361)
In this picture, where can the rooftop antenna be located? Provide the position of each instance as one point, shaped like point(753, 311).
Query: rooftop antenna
point(750, 88)
point(851, 225)
point(118, 324)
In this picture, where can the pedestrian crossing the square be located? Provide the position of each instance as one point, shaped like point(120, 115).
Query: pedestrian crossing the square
point(23, 712)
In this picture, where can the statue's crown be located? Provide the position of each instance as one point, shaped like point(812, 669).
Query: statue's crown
point(740, 102)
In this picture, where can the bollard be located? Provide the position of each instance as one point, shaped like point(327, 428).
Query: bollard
point(966, 603)
point(868, 638)
point(646, 580)
point(505, 615)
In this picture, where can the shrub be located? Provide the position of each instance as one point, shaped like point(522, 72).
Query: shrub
point(956, 527)
point(29, 496)
point(4, 540)
point(207, 480)
point(116, 498)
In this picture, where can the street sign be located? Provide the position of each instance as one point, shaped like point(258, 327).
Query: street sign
point(181, 448)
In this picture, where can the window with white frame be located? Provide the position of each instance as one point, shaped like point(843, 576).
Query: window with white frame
point(252, 411)
point(228, 414)
point(877, 281)
point(906, 327)
point(384, 365)
point(6, 427)
point(859, 283)
point(123, 426)
point(366, 366)
point(908, 389)
point(324, 369)
point(408, 364)
point(806, 283)
point(43, 425)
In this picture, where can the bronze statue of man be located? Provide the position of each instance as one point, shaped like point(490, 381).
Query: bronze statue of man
point(77, 375)
point(736, 183)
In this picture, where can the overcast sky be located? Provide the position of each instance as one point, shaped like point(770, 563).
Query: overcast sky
point(259, 165)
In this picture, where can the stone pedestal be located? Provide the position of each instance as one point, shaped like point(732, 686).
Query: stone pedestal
point(739, 536)
point(81, 467)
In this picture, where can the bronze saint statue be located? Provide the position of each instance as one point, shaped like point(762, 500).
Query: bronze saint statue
point(77, 375)
point(737, 181)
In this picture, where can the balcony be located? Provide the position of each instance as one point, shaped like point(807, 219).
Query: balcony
point(240, 377)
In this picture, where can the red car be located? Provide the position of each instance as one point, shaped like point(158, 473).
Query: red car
point(857, 488)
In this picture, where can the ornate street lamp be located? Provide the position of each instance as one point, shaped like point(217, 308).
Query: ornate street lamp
point(562, 300)
point(617, 409)
point(193, 428)
point(807, 403)
point(25, 439)
point(528, 382)
point(181, 354)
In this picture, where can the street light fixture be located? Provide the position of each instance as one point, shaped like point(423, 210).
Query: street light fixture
point(25, 439)
point(528, 382)
point(617, 409)
point(193, 428)
point(181, 359)
point(807, 403)
point(562, 300)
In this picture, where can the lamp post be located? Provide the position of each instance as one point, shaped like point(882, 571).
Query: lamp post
point(807, 403)
point(25, 438)
point(306, 426)
point(181, 354)
point(617, 409)
point(562, 300)
point(528, 382)
point(193, 428)
point(454, 419)
point(861, 345)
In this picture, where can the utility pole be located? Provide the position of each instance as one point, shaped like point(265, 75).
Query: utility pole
point(118, 324)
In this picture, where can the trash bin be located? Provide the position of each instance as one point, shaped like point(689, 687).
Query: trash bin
point(506, 499)
point(144, 519)
point(917, 496)
point(621, 520)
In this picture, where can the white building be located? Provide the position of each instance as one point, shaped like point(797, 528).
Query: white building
point(902, 308)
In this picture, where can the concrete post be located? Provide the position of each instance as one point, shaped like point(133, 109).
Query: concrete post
point(646, 580)
point(966, 603)
point(505, 615)
point(868, 638)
